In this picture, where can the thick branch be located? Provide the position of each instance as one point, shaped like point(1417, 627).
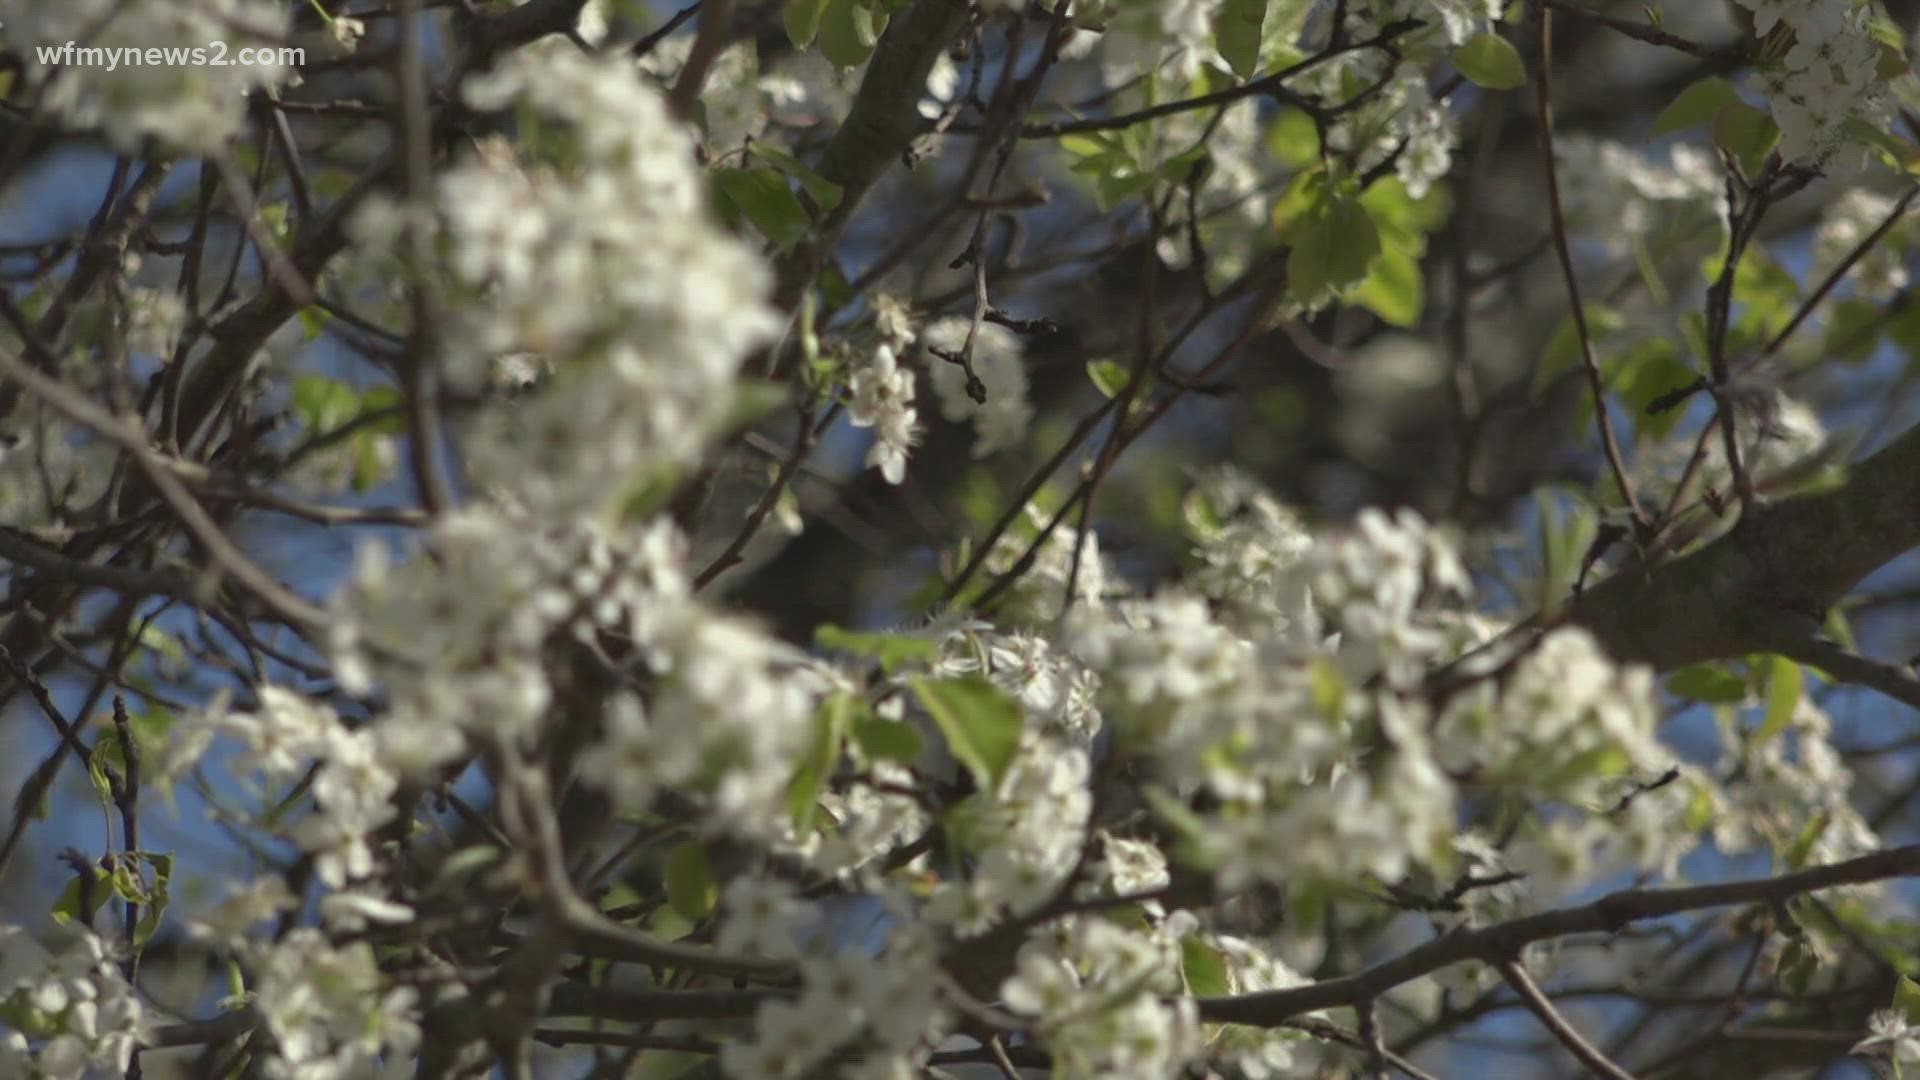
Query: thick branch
point(1502, 941)
point(880, 125)
point(1792, 558)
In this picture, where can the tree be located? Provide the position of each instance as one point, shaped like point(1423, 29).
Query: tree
point(907, 537)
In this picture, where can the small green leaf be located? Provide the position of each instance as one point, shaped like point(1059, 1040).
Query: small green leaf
point(1709, 683)
point(1697, 104)
point(1326, 688)
point(982, 725)
point(1204, 968)
point(157, 897)
point(1394, 289)
point(1899, 153)
point(880, 739)
point(1563, 348)
point(1700, 808)
point(322, 403)
point(891, 650)
point(802, 19)
point(1853, 331)
point(1648, 372)
point(1490, 61)
point(1293, 139)
point(463, 864)
point(387, 400)
point(752, 400)
point(1109, 376)
point(1799, 963)
point(763, 197)
point(824, 193)
point(690, 886)
point(1190, 827)
point(1797, 855)
point(312, 321)
point(367, 464)
point(1237, 34)
point(830, 722)
point(848, 31)
point(1746, 133)
point(1333, 247)
point(1784, 684)
point(67, 907)
point(1602, 762)
point(1906, 999)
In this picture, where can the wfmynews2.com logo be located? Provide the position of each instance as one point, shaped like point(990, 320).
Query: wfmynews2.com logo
point(212, 54)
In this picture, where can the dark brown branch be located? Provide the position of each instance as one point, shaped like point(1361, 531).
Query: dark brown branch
point(1501, 941)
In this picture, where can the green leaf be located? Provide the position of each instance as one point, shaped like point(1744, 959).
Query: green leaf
point(1190, 827)
point(1237, 34)
point(752, 400)
point(1898, 152)
point(1491, 62)
point(1394, 289)
point(763, 197)
point(1709, 683)
point(690, 886)
point(1746, 133)
point(880, 739)
point(891, 650)
point(1404, 220)
point(1840, 629)
point(389, 400)
point(1700, 808)
point(1785, 681)
point(67, 907)
point(1564, 540)
point(322, 403)
point(1333, 247)
point(824, 192)
point(367, 466)
point(1601, 761)
point(1648, 372)
point(1326, 689)
point(1109, 376)
point(1204, 968)
point(1906, 999)
point(1799, 963)
point(463, 864)
point(848, 31)
point(982, 725)
point(1853, 331)
point(830, 722)
point(157, 897)
point(1563, 348)
point(1697, 104)
point(312, 320)
point(1796, 857)
point(802, 19)
point(1293, 139)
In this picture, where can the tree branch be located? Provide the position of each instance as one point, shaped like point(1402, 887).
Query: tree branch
point(1577, 1045)
point(1796, 557)
point(1493, 944)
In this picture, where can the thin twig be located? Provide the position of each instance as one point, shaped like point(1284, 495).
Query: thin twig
point(1596, 383)
point(1577, 1045)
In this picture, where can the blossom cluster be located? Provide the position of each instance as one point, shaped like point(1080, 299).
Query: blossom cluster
point(1829, 75)
point(77, 1006)
point(879, 1010)
point(600, 257)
